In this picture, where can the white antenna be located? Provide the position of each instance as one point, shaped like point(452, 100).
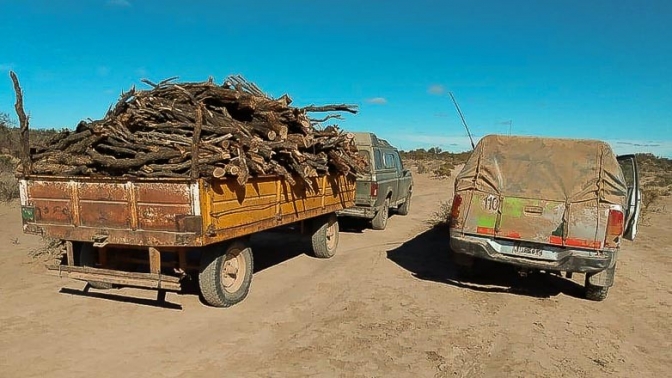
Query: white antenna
point(463, 121)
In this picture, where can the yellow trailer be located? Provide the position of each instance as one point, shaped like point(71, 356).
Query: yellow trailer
point(113, 227)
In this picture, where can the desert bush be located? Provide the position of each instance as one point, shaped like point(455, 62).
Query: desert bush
point(650, 196)
point(422, 168)
point(9, 187)
point(444, 170)
point(10, 139)
point(51, 249)
point(435, 153)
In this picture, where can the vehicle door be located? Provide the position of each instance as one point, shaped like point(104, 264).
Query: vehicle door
point(634, 200)
point(386, 176)
point(404, 177)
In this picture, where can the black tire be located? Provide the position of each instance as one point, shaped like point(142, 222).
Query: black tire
point(596, 293)
point(405, 207)
point(597, 284)
point(379, 222)
point(220, 279)
point(87, 257)
point(325, 236)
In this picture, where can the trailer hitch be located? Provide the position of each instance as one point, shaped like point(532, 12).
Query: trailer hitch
point(100, 241)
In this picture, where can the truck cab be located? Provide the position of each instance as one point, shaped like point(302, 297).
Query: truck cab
point(389, 186)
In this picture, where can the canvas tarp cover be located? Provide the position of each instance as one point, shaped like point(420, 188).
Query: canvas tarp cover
point(567, 170)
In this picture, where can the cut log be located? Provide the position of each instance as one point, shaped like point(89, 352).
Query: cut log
point(195, 130)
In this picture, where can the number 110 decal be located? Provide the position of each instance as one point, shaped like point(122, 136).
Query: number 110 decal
point(491, 203)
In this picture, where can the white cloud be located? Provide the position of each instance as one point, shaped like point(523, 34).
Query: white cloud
point(436, 89)
point(142, 71)
point(658, 147)
point(119, 3)
point(377, 100)
point(103, 71)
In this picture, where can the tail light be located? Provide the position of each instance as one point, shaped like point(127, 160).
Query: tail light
point(374, 189)
point(455, 210)
point(614, 228)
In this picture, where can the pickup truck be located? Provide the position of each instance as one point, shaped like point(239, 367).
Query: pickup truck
point(144, 232)
point(551, 204)
point(388, 186)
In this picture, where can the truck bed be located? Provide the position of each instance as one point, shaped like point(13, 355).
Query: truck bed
point(173, 212)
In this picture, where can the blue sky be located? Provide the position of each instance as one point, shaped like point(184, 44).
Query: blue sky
point(587, 69)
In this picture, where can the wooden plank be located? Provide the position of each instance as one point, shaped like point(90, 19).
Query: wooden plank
point(74, 204)
point(70, 253)
point(133, 206)
point(146, 280)
point(154, 260)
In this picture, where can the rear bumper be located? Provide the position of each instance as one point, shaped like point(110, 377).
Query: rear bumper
point(358, 212)
point(569, 260)
point(115, 277)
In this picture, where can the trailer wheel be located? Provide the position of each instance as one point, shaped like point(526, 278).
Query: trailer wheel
point(87, 257)
point(379, 222)
point(325, 236)
point(226, 273)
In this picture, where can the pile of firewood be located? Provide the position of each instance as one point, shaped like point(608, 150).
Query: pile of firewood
point(195, 130)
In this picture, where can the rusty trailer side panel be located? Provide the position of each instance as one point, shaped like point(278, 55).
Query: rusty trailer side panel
point(170, 212)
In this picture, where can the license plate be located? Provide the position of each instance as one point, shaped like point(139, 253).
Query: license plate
point(527, 251)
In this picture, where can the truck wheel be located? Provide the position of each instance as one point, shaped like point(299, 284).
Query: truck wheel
point(379, 222)
point(598, 284)
point(325, 236)
point(596, 293)
point(87, 257)
point(225, 275)
point(405, 207)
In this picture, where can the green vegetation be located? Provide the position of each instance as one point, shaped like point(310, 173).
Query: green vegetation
point(435, 153)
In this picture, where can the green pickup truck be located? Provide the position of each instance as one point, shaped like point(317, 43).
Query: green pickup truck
point(388, 187)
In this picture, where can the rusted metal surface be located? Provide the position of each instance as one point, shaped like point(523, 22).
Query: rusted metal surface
point(174, 213)
point(124, 212)
point(144, 280)
point(116, 236)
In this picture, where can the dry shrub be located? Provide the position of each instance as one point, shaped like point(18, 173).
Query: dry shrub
point(444, 170)
point(650, 196)
point(9, 186)
point(422, 168)
point(51, 249)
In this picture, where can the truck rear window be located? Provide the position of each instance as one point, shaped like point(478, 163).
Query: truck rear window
point(365, 155)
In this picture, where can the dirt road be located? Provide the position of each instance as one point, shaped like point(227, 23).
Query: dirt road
point(389, 304)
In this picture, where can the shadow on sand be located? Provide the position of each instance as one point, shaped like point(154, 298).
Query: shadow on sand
point(428, 257)
point(109, 295)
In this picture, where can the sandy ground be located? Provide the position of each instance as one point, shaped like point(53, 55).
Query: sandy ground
point(389, 304)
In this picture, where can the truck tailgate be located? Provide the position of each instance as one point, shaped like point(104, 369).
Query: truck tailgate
point(583, 225)
point(85, 209)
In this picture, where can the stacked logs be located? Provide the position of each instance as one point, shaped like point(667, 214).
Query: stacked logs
point(190, 130)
